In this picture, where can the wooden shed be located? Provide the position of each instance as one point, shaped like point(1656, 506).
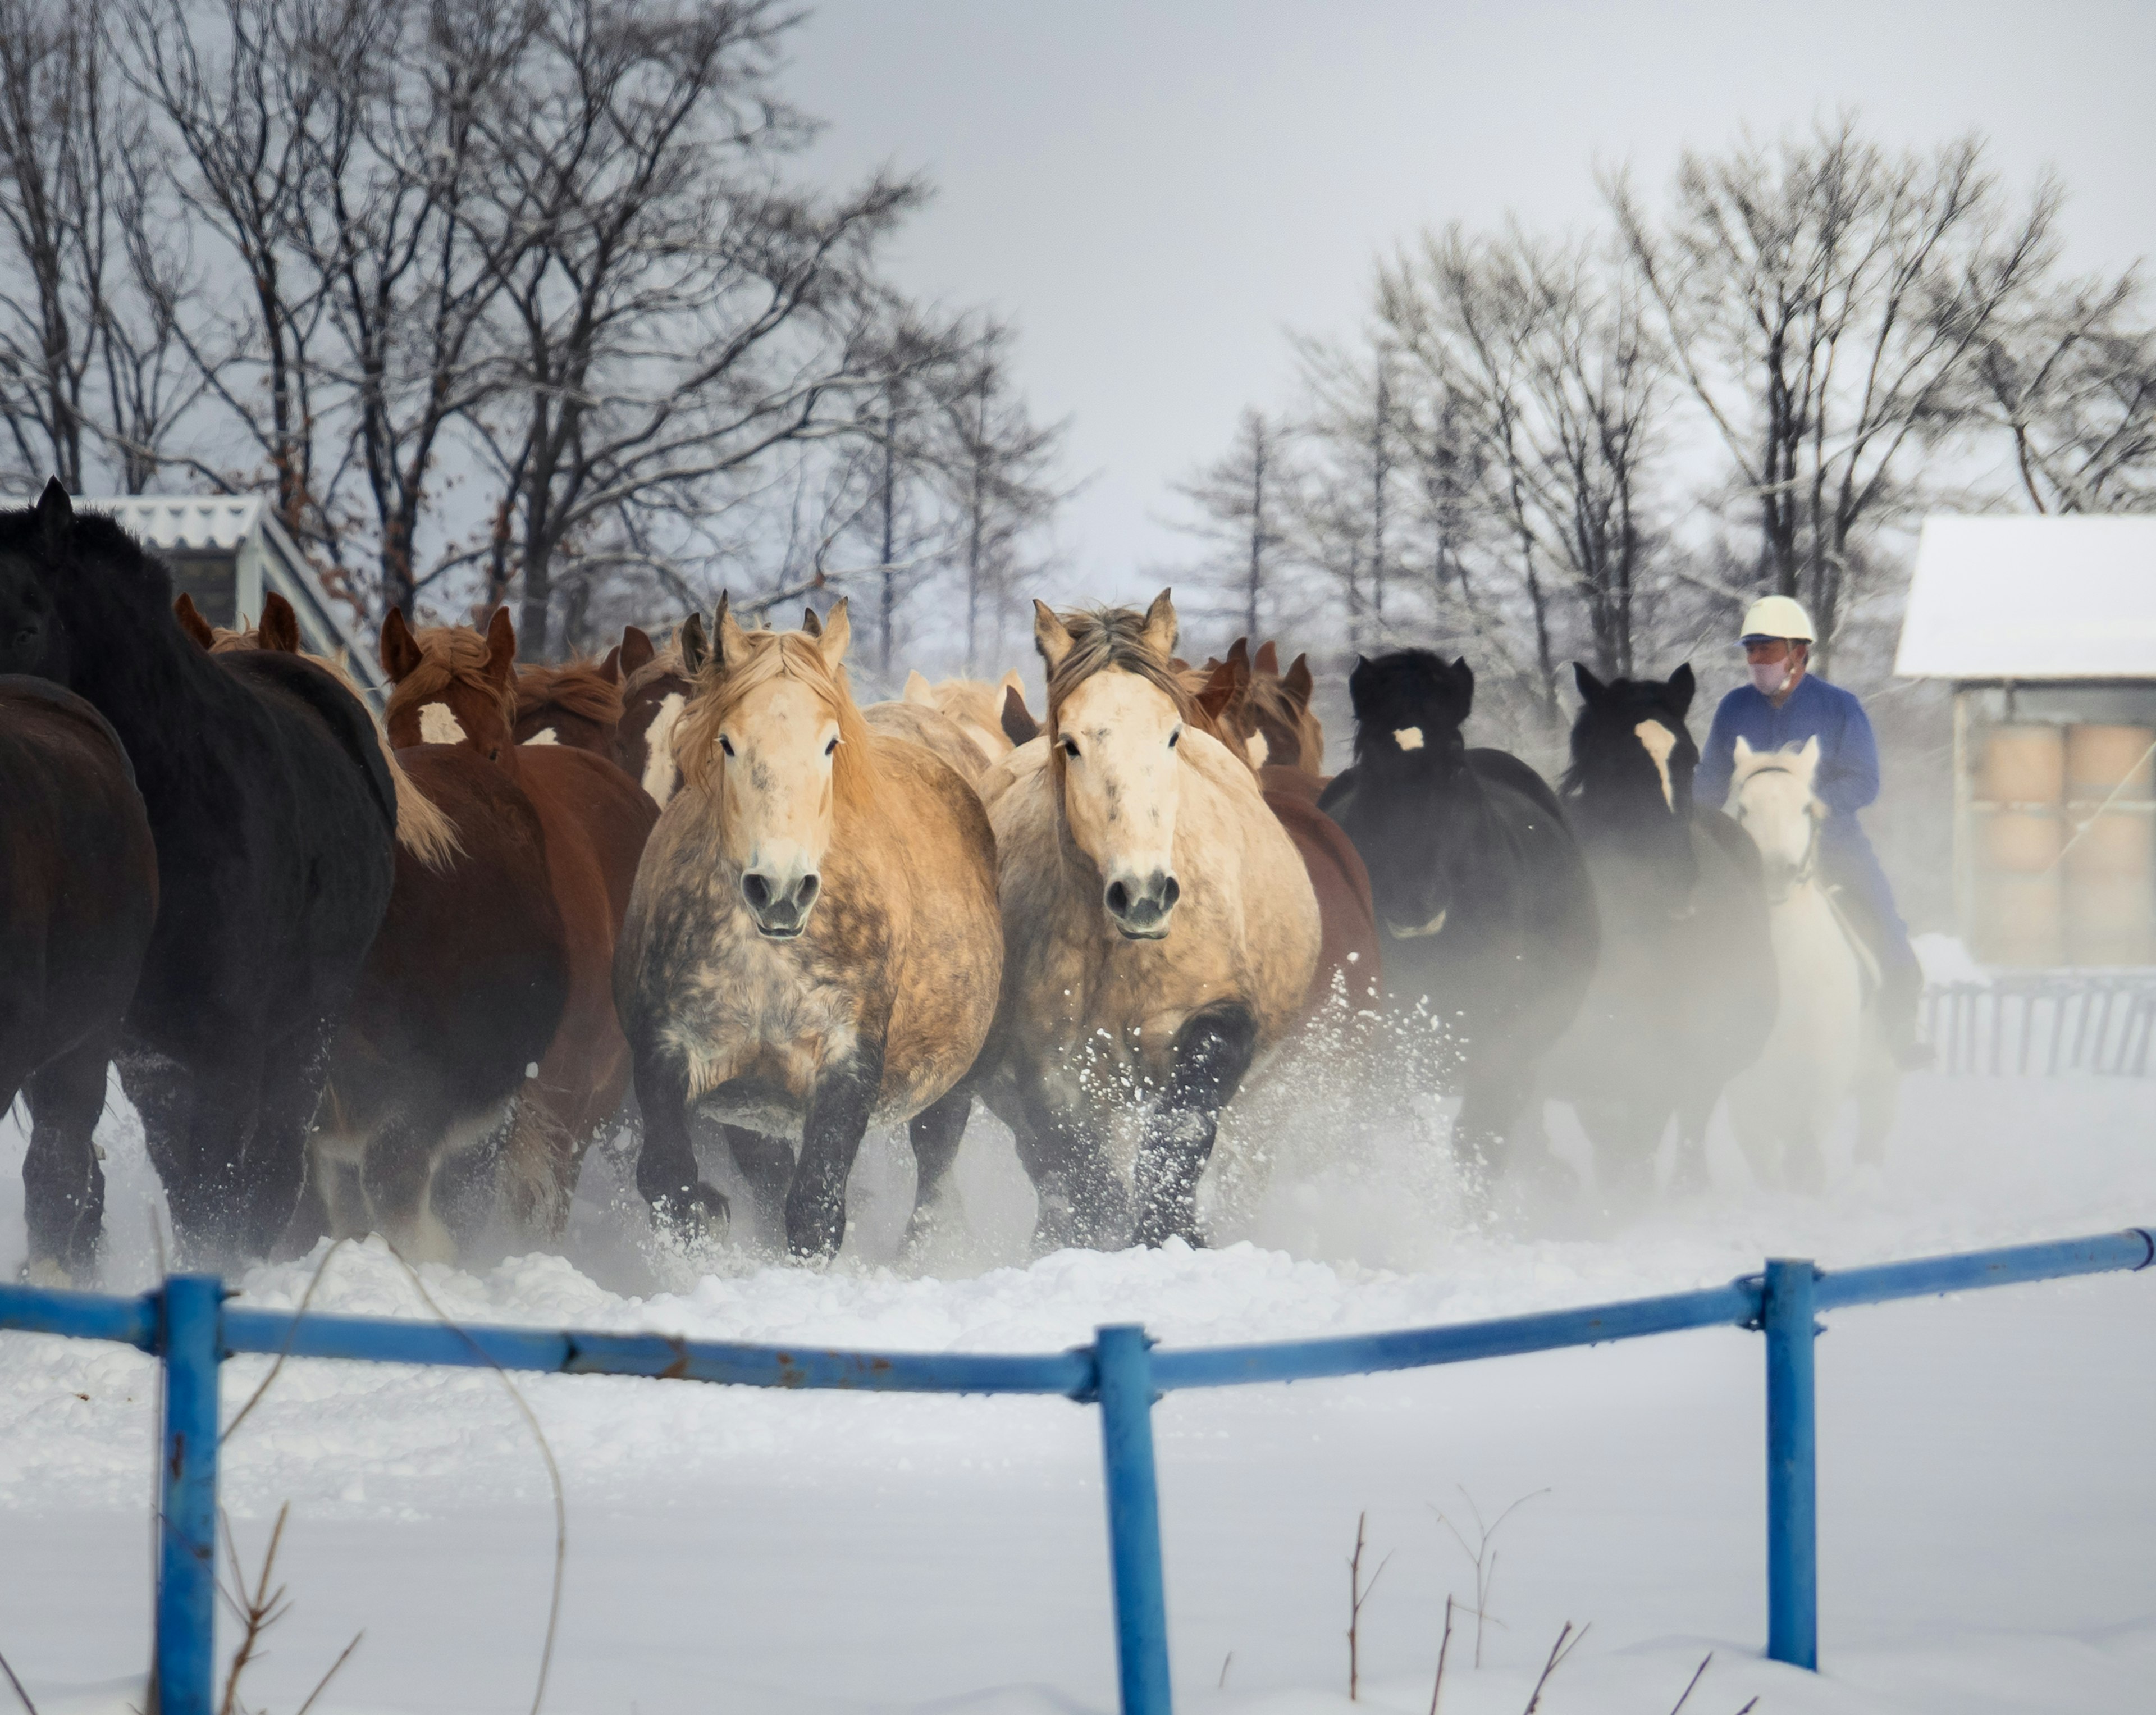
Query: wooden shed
point(2046, 629)
point(227, 553)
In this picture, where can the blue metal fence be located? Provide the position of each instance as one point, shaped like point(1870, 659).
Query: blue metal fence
point(186, 1324)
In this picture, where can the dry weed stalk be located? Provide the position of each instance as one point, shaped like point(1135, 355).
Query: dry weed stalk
point(1444, 1649)
point(9, 1671)
point(1568, 1641)
point(1358, 1594)
point(1484, 1556)
point(257, 1610)
point(1698, 1673)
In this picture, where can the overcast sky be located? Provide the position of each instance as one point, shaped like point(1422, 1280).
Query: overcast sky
point(1154, 193)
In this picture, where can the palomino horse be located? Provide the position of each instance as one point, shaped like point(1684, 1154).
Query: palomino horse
point(273, 815)
point(1826, 1046)
point(813, 945)
point(78, 896)
point(461, 994)
point(975, 703)
point(1491, 930)
point(1684, 994)
point(1160, 932)
point(454, 687)
point(575, 703)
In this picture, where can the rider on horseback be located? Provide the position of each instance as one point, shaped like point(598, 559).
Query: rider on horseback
point(1784, 705)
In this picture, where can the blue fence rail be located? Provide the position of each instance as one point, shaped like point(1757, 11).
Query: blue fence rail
point(186, 1324)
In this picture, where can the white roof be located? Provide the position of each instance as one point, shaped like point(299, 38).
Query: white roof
point(163, 521)
point(2032, 598)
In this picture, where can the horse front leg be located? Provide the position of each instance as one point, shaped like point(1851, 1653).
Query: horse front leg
point(681, 1203)
point(838, 1109)
point(63, 1185)
point(935, 1133)
point(1078, 1200)
point(205, 1172)
point(767, 1163)
point(1212, 1050)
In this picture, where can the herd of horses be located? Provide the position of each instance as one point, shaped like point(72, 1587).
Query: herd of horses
point(395, 975)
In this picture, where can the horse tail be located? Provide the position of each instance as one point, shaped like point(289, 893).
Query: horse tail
point(423, 827)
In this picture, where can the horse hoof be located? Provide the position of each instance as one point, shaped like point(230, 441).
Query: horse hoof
point(47, 1273)
point(703, 1215)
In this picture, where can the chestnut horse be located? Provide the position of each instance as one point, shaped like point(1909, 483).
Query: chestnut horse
point(454, 687)
point(575, 703)
point(274, 818)
point(78, 896)
point(1160, 929)
point(656, 688)
point(813, 946)
point(461, 992)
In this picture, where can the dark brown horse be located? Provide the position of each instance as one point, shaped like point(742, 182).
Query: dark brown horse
point(454, 687)
point(656, 688)
point(78, 896)
point(461, 992)
point(575, 703)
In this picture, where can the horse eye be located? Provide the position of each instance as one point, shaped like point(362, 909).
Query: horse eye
point(830, 747)
point(1174, 736)
point(1071, 748)
point(725, 744)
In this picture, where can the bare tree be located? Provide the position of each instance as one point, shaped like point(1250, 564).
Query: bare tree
point(1824, 300)
point(2071, 383)
point(1241, 503)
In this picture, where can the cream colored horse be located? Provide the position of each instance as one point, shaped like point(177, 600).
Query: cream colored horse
point(1825, 1046)
point(1159, 931)
point(812, 947)
point(975, 703)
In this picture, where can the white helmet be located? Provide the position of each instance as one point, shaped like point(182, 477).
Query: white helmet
point(1776, 616)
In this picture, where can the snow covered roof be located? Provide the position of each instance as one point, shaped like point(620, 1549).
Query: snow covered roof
point(190, 522)
point(2032, 598)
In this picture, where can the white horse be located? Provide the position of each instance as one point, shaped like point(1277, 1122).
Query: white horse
point(1826, 1045)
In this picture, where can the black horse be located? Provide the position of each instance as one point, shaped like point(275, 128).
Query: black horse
point(1488, 915)
point(1685, 993)
point(273, 816)
point(78, 896)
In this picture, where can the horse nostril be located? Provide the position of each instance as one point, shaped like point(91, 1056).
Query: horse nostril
point(805, 895)
point(756, 890)
point(1119, 898)
point(1171, 891)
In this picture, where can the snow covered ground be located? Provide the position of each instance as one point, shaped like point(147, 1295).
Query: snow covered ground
point(1987, 1491)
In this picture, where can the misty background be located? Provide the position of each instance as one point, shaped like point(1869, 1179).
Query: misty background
point(1551, 336)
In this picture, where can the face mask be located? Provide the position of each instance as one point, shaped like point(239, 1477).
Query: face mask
point(1768, 677)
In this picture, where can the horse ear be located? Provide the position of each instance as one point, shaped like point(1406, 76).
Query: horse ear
point(1268, 660)
point(610, 668)
point(192, 621)
point(917, 688)
point(1743, 751)
point(1463, 686)
point(501, 647)
point(1358, 684)
point(635, 651)
point(695, 647)
point(1810, 756)
point(1297, 682)
point(731, 641)
point(280, 628)
point(1050, 636)
point(1219, 690)
point(1682, 687)
point(1590, 688)
point(55, 516)
point(399, 650)
point(837, 632)
point(1160, 626)
point(1013, 680)
point(1239, 659)
point(810, 624)
point(1019, 725)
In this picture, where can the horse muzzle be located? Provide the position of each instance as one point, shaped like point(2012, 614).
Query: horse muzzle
point(1140, 910)
point(1431, 928)
point(780, 908)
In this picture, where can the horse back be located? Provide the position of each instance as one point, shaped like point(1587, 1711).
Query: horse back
point(298, 684)
point(1347, 920)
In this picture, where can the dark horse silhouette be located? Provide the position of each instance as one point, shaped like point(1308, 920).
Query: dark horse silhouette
point(1685, 992)
point(1488, 915)
point(78, 896)
point(273, 816)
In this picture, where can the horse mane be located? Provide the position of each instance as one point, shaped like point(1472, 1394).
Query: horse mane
point(666, 664)
point(717, 691)
point(452, 654)
point(1105, 638)
point(575, 687)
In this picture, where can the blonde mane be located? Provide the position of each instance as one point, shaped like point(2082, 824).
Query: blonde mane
point(718, 691)
point(1115, 637)
point(452, 654)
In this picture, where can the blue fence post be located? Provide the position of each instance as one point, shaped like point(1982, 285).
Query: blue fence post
point(1792, 1466)
point(190, 1340)
point(1122, 1359)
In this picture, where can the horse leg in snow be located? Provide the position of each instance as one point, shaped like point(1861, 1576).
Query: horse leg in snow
point(838, 1109)
point(1689, 1172)
point(1080, 1202)
point(1212, 1050)
point(276, 1161)
point(767, 1163)
point(1492, 1100)
point(936, 1132)
point(63, 1185)
point(1626, 1134)
point(399, 1177)
point(666, 1160)
point(207, 1189)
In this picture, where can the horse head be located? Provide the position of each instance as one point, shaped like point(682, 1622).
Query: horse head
point(453, 686)
point(1411, 776)
point(655, 689)
point(1630, 783)
point(1275, 707)
point(33, 636)
point(773, 738)
point(1115, 715)
point(1771, 797)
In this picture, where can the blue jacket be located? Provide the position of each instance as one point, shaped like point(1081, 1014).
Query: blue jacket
point(1848, 777)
